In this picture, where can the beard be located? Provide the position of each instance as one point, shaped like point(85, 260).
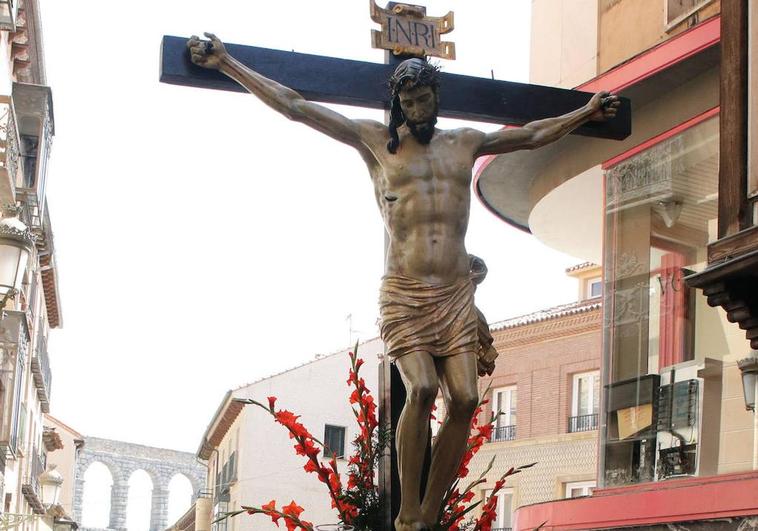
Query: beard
point(423, 132)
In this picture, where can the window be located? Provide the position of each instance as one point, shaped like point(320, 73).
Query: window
point(22, 427)
point(334, 440)
point(678, 10)
point(579, 488)
point(585, 402)
point(231, 471)
point(504, 406)
point(661, 212)
point(504, 509)
point(594, 287)
point(219, 523)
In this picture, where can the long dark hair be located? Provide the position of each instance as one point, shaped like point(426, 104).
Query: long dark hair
point(411, 73)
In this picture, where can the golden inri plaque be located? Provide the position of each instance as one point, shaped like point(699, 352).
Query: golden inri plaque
point(407, 31)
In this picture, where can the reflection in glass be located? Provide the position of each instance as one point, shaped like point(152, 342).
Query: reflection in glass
point(665, 349)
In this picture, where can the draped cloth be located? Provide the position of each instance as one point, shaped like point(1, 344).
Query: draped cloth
point(440, 319)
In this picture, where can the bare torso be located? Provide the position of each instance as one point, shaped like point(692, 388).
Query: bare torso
point(423, 193)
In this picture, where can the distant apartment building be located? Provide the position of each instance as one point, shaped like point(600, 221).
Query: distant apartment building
point(28, 274)
point(64, 445)
point(250, 457)
point(546, 390)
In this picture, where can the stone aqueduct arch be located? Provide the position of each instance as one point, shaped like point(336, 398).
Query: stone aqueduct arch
point(122, 459)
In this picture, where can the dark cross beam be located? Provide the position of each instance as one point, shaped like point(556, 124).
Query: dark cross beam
point(363, 84)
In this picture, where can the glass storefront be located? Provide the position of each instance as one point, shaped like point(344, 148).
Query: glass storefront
point(665, 349)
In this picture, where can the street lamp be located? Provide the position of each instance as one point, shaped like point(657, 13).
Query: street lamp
point(749, 368)
point(16, 243)
point(50, 482)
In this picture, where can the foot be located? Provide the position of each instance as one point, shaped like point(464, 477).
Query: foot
point(410, 524)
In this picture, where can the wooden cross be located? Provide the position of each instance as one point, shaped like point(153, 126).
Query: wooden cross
point(364, 84)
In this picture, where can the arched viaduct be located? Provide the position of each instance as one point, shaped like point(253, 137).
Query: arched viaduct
point(123, 459)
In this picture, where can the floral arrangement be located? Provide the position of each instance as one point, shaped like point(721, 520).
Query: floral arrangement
point(359, 503)
point(458, 503)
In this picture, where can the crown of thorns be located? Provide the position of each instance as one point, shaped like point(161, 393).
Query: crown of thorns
point(414, 73)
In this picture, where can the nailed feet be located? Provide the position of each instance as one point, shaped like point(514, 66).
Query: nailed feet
point(410, 525)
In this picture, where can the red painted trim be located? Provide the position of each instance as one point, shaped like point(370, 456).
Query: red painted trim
point(647, 144)
point(723, 496)
point(661, 57)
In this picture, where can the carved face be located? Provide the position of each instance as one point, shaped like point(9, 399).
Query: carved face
point(419, 105)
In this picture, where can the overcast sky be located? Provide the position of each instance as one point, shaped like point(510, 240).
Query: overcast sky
point(203, 241)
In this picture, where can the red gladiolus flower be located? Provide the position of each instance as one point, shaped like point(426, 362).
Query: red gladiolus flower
point(486, 431)
point(292, 509)
point(270, 510)
point(271, 402)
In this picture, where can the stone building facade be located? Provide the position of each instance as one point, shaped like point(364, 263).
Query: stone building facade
point(31, 306)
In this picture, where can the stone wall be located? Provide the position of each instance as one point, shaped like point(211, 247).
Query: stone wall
point(123, 459)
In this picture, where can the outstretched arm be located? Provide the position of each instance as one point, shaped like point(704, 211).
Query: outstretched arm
point(213, 55)
point(601, 107)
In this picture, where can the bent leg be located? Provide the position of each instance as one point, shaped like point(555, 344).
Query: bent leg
point(458, 380)
point(419, 375)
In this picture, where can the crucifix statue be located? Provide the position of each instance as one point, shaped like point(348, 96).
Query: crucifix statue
point(422, 183)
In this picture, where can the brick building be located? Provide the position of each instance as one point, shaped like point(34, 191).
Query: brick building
point(545, 385)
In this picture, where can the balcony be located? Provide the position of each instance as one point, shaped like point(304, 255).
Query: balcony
point(15, 342)
point(10, 165)
point(41, 374)
point(30, 487)
point(504, 433)
point(33, 106)
point(582, 423)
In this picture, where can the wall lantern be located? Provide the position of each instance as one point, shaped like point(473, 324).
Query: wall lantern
point(16, 243)
point(50, 482)
point(749, 368)
point(8, 11)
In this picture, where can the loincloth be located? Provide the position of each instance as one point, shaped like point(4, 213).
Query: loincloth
point(440, 319)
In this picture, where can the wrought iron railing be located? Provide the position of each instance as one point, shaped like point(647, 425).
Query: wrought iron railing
point(43, 376)
point(9, 141)
point(582, 423)
point(504, 433)
point(30, 487)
